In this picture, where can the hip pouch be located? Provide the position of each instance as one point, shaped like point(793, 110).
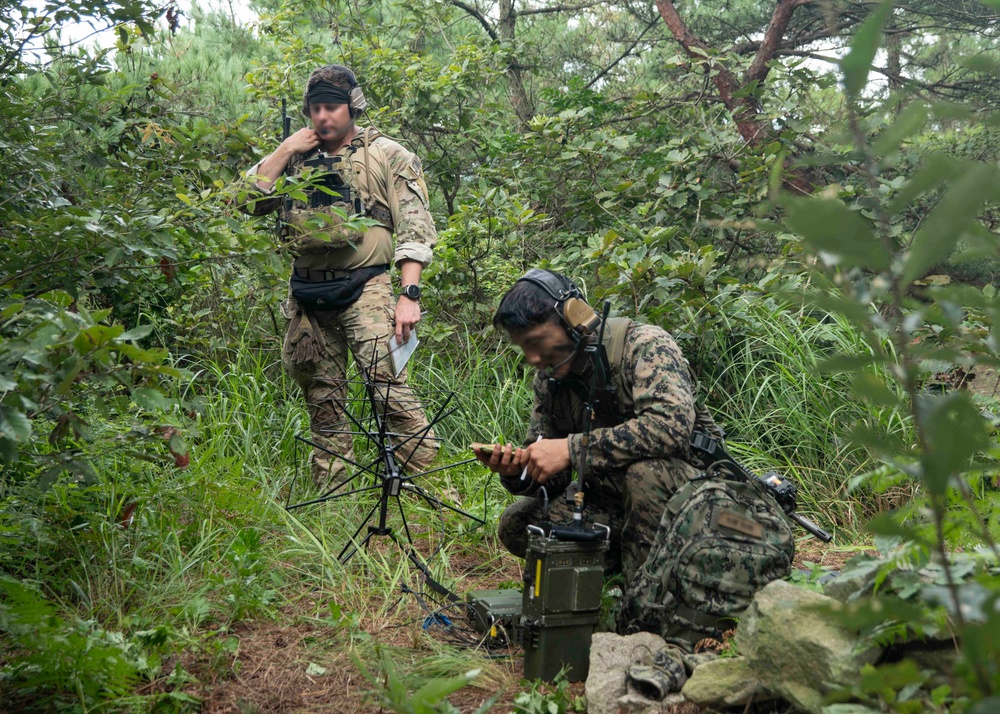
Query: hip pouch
point(337, 294)
point(719, 541)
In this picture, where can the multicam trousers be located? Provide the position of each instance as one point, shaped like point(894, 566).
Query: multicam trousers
point(630, 503)
point(316, 353)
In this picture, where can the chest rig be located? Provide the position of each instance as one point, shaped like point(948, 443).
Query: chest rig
point(309, 224)
point(567, 397)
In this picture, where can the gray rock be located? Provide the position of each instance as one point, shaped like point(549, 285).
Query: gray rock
point(844, 586)
point(634, 703)
point(610, 657)
point(934, 656)
point(693, 661)
point(724, 682)
point(797, 652)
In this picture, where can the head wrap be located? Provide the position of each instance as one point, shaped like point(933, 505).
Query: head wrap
point(326, 93)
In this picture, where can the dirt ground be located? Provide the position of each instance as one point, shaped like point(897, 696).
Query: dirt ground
point(299, 663)
point(986, 382)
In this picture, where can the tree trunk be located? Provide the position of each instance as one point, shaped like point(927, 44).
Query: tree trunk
point(745, 109)
point(519, 98)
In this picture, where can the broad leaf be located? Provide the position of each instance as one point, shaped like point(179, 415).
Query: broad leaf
point(909, 122)
point(832, 229)
point(858, 61)
point(14, 424)
point(137, 333)
point(955, 430)
point(149, 399)
point(951, 218)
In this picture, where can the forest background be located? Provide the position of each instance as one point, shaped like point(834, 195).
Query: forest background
point(803, 192)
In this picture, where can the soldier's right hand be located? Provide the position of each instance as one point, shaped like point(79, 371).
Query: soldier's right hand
point(503, 460)
point(301, 142)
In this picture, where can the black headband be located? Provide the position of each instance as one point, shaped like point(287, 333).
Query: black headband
point(326, 93)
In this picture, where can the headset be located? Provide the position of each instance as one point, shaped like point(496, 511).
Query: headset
point(358, 103)
point(356, 97)
point(578, 318)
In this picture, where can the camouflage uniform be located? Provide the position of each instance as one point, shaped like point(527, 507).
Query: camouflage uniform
point(318, 344)
point(634, 463)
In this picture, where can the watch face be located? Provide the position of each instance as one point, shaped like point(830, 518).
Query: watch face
point(412, 291)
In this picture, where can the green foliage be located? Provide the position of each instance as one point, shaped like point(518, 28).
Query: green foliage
point(248, 592)
point(63, 368)
point(870, 268)
point(549, 699)
point(403, 697)
point(119, 233)
point(62, 663)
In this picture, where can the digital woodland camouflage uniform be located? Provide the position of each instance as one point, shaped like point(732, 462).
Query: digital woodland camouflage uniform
point(318, 344)
point(633, 467)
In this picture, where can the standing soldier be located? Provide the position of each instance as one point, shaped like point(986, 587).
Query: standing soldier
point(341, 297)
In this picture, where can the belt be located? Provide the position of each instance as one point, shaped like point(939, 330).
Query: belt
point(315, 275)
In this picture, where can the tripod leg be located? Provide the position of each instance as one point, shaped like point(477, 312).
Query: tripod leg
point(344, 558)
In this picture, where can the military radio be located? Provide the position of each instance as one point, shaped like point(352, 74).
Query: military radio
point(563, 575)
point(286, 130)
point(553, 617)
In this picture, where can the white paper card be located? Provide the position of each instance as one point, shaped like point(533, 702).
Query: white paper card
point(400, 353)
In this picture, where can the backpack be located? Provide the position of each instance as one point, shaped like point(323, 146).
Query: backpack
point(720, 539)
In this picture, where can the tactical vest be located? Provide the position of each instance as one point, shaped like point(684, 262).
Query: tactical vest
point(614, 402)
point(312, 225)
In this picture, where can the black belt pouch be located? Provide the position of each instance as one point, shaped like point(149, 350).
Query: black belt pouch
point(337, 294)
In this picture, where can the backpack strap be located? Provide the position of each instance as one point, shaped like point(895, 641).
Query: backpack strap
point(614, 340)
point(608, 409)
point(363, 140)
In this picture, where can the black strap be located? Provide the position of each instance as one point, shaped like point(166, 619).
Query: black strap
point(704, 444)
point(382, 215)
point(316, 275)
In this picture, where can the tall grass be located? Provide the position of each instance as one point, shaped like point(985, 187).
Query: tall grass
point(212, 544)
point(491, 385)
point(782, 411)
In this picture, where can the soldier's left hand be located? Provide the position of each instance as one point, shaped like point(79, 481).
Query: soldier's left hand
point(548, 457)
point(407, 317)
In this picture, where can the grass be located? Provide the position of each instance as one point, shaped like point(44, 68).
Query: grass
point(781, 412)
point(216, 597)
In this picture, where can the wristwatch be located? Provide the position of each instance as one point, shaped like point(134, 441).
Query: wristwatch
point(411, 291)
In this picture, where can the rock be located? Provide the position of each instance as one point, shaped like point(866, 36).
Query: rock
point(723, 682)
point(610, 657)
point(634, 703)
point(693, 661)
point(844, 586)
point(937, 656)
point(804, 697)
point(797, 652)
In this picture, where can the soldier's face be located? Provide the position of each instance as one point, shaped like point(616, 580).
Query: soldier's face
point(331, 121)
point(546, 347)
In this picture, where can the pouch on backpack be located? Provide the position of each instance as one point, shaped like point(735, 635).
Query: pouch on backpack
point(719, 541)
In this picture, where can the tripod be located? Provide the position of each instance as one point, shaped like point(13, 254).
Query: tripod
point(368, 415)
